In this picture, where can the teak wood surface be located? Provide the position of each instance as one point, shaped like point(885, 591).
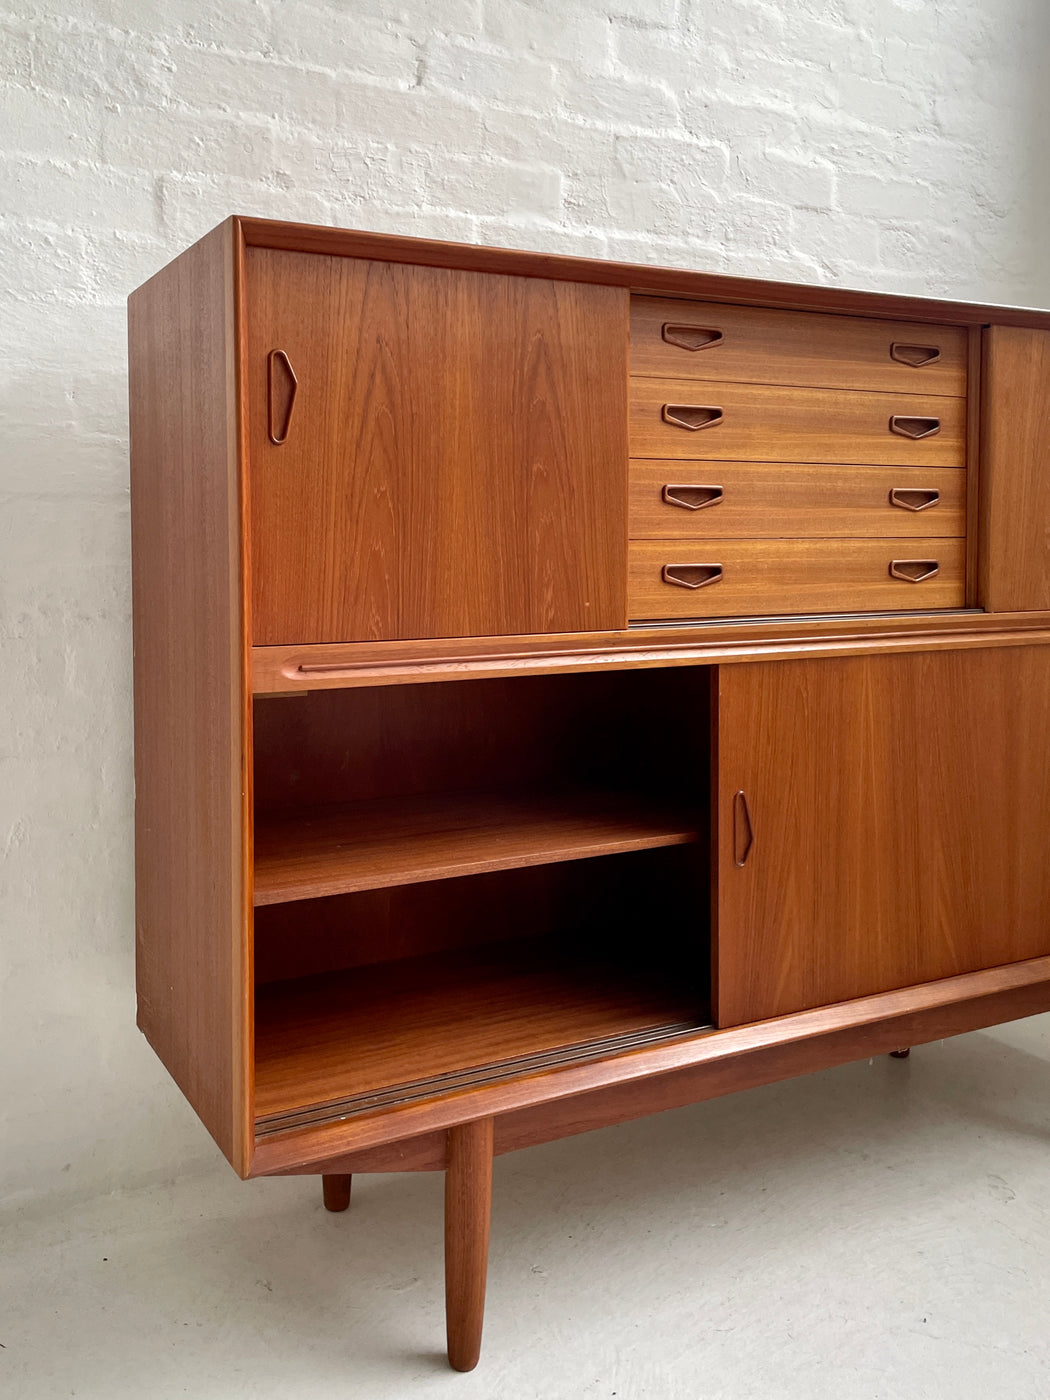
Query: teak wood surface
point(898, 808)
point(771, 423)
point(326, 1039)
point(580, 1097)
point(638, 277)
point(400, 841)
point(780, 500)
point(192, 726)
point(759, 346)
point(1015, 515)
point(286, 671)
point(468, 1208)
point(784, 576)
point(454, 459)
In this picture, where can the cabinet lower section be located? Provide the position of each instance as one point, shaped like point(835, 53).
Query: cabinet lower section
point(464, 886)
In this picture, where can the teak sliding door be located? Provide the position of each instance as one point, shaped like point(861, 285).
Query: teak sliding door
point(882, 821)
point(432, 453)
point(1015, 470)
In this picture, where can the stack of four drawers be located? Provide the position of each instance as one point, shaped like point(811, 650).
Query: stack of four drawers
point(789, 462)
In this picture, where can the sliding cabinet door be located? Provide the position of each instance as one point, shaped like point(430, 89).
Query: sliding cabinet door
point(432, 453)
point(882, 821)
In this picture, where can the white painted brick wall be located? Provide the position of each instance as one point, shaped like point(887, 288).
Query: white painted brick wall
point(897, 144)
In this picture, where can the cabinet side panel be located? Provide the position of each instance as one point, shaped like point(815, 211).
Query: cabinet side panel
point(190, 707)
point(433, 453)
point(1015, 470)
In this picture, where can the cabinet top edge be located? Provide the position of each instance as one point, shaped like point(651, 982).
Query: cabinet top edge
point(636, 277)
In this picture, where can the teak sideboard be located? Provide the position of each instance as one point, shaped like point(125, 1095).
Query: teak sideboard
point(567, 690)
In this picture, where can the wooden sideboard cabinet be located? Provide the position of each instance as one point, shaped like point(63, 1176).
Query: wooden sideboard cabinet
point(567, 690)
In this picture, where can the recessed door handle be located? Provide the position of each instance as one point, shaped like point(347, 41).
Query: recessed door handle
point(914, 428)
point(743, 831)
point(914, 570)
point(691, 575)
point(278, 364)
point(914, 497)
point(691, 337)
point(693, 497)
point(914, 355)
point(693, 416)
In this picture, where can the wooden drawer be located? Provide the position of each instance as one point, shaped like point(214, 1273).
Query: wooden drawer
point(704, 340)
point(774, 500)
point(765, 423)
point(772, 577)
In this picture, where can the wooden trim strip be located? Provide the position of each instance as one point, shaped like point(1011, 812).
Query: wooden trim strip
point(283, 670)
point(651, 281)
point(716, 1062)
point(973, 463)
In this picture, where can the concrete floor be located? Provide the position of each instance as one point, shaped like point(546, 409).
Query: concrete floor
point(876, 1232)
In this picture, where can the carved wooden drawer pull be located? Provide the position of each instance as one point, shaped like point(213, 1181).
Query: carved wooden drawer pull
point(693, 416)
point(743, 830)
point(693, 497)
point(914, 427)
point(914, 497)
point(914, 570)
point(692, 575)
point(914, 355)
point(278, 359)
point(692, 337)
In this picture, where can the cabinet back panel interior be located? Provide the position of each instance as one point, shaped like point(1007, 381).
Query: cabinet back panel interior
point(629, 731)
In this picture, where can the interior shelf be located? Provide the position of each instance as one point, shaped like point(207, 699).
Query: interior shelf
point(347, 847)
point(347, 1042)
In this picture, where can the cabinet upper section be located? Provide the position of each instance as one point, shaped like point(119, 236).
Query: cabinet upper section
point(437, 441)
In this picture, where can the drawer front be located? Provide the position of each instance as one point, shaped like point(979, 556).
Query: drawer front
point(740, 578)
point(702, 340)
point(774, 500)
point(765, 423)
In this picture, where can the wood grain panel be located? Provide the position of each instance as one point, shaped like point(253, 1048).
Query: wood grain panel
point(1015, 470)
point(899, 809)
point(455, 460)
point(761, 346)
point(765, 423)
point(769, 577)
point(776, 500)
point(192, 726)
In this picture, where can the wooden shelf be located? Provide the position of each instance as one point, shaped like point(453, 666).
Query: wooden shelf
point(332, 850)
point(349, 1042)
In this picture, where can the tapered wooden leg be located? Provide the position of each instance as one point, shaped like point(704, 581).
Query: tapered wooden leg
point(900, 1054)
point(336, 1192)
point(468, 1203)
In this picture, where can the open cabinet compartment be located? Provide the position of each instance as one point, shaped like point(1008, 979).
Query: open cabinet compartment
point(462, 882)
